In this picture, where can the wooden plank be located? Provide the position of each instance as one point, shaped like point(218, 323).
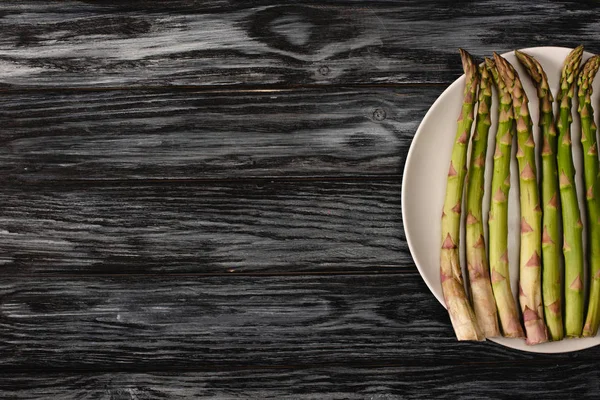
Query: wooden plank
point(553, 381)
point(115, 43)
point(277, 227)
point(224, 322)
point(196, 135)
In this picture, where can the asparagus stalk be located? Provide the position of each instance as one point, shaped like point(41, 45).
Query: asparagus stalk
point(460, 310)
point(477, 265)
point(590, 172)
point(498, 216)
point(530, 265)
point(571, 217)
point(551, 240)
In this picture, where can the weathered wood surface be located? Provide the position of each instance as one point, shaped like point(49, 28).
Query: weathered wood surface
point(116, 43)
point(327, 383)
point(274, 227)
point(224, 322)
point(202, 199)
point(195, 135)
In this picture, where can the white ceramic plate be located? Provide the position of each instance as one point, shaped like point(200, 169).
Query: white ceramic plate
point(424, 183)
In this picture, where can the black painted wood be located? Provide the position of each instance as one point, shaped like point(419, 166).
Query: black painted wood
point(202, 199)
point(189, 42)
point(268, 227)
point(325, 383)
point(194, 135)
point(131, 323)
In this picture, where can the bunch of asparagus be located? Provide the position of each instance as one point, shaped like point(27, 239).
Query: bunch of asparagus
point(545, 204)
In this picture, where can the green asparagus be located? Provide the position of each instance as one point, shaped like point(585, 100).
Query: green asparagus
point(530, 266)
point(460, 310)
point(461, 313)
point(590, 172)
point(571, 217)
point(551, 240)
point(498, 215)
point(477, 265)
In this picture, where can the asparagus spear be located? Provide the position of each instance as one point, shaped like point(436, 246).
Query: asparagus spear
point(571, 217)
point(498, 216)
point(530, 268)
point(551, 240)
point(477, 265)
point(590, 172)
point(460, 310)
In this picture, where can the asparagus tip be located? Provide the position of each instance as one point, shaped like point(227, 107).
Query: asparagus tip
point(569, 73)
point(524, 57)
point(467, 61)
point(505, 71)
point(500, 62)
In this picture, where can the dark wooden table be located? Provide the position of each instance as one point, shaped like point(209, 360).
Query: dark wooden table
point(202, 199)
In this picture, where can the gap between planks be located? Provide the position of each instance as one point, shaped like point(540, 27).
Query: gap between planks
point(380, 270)
point(392, 178)
point(535, 361)
point(234, 89)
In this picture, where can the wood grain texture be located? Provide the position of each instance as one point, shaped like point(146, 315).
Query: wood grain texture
point(194, 135)
point(202, 199)
point(116, 43)
point(327, 383)
point(277, 227)
point(223, 322)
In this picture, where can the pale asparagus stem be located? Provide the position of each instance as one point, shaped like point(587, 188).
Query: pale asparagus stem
point(590, 172)
point(460, 310)
point(530, 264)
point(498, 215)
point(571, 217)
point(551, 240)
point(477, 265)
